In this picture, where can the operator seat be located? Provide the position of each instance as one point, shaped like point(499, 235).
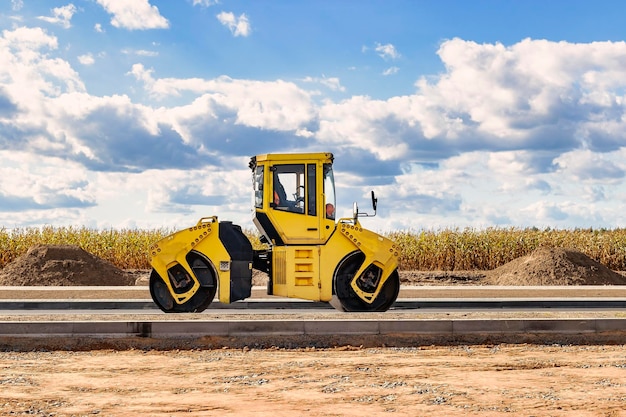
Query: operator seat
point(280, 196)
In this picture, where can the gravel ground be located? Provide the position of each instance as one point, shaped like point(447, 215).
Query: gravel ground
point(226, 315)
point(221, 377)
point(477, 380)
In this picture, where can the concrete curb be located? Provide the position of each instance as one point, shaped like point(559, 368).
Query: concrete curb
point(245, 328)
point(290, 304)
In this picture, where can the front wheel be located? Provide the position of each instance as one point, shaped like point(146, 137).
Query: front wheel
point(350, 301)
point(164, 300)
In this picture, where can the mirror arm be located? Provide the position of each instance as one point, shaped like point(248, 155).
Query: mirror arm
point(355, 208)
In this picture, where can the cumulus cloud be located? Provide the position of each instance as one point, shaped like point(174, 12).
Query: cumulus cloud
point(387, 51)
point(426, 191)
point(274, 105)
point(140, 52)
point(586, 165)
point(519, 163)
point(539, 96)
point(535, 128)
point(86, 59)
point(181, 190)
point(532, 94)
point(362, 123)
point(52, 114)
point(134, 14)
point(238, 26)
point(205, 3)
point(391, 71)
point(332, 83)
point(29, 75)
point(547, 212)
point(60, 16)
point(48, 183)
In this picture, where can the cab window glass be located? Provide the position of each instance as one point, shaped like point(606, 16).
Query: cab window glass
point(258, 187)
point(289, 188)
point(311, 190)
point(329, 191)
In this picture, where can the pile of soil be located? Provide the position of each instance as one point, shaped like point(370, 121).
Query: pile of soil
point(62, 265)
point(67, 265)
point(554, 266)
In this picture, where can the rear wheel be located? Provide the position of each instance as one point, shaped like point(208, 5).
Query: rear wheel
point(347, 297)
point(160, 293)
point(163, 299)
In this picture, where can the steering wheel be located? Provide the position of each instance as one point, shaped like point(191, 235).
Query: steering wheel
point(299, 196)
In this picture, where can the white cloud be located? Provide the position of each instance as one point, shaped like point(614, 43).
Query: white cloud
point(275, 105)
point(61, 16)
point(86, 59)
point(514, 95)
point(361, 123)
point(166, 87)
point(144, 52)
point(496, 138)
point(16, 5)
point(24, 39)
point(179, 190)
point(514, 163)
point(98, 28)
point(205, 3)
point(517, 171)
point(238, 26)
point(47, 184)
point(134, 14)
point(140, 52)
point(585, 165)
point(391, 71)
point(332, 83)
point(387, 51)
point(545, 212)
point(28, 73)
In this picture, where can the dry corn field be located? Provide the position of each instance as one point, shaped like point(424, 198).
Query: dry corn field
point(444, 250)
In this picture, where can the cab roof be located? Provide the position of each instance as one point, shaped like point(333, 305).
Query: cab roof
point(292, 157)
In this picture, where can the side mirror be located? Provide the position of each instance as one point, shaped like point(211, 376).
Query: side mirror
point(374, 202)
point(355, 209)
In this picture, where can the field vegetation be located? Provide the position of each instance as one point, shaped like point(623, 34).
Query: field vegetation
point(445, 249)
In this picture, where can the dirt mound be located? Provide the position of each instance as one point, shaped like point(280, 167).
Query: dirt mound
point(554, 266)
point(67, 265)
point(62, 265)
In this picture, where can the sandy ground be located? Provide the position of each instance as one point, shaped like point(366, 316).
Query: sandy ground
point(526, 380)
point(475, 380)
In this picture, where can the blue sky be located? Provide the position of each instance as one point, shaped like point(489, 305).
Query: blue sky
point(144, 113)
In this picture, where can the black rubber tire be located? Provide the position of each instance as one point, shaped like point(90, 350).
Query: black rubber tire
point(164, 300)
point(350, 301)
point(160, 293)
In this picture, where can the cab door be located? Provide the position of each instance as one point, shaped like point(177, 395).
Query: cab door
point(294, 204)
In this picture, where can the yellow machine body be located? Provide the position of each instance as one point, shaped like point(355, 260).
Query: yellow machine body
point(203, 238)
point(307, 271)
point(311, 255)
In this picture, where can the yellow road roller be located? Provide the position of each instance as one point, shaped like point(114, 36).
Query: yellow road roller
point(310, 254)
